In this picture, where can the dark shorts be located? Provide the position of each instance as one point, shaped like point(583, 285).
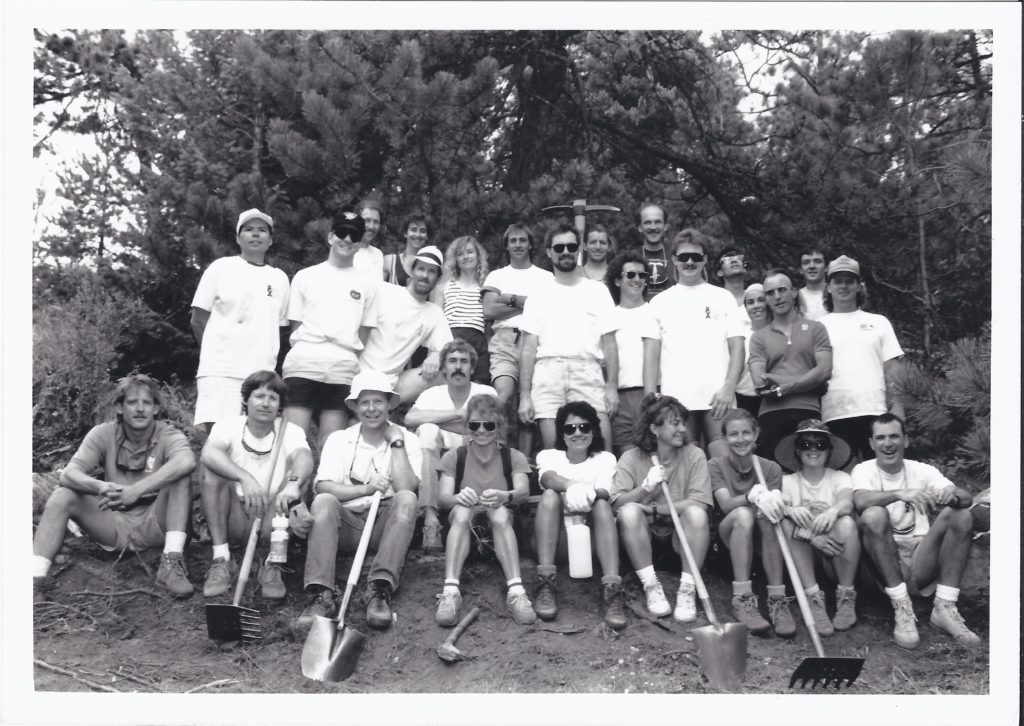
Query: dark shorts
point(856, 432)
point(748, 403)
point(316, 395)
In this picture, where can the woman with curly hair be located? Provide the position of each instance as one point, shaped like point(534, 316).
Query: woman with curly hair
point(461, 298)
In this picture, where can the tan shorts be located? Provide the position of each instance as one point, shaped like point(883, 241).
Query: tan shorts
point(503, 350)
point(556, 381)
point(217, 398)
point(906, 547)
point(137, 529)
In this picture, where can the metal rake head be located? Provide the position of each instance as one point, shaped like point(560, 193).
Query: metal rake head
point(830, 671)
point(233, 622)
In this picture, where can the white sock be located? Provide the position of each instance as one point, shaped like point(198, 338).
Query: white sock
point(451, 586)
point(221, 551)
point(776, 592)
point(947, 593)
point(741, 588)
point(686, 581)
point(812, 590)
point(897, 593)
point(40, 566)
point(174, 542)
point(516, 589)
point(647, 576)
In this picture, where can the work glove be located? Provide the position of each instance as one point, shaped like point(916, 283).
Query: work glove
point(654, 478)
point(579, 497)
point(768, 501)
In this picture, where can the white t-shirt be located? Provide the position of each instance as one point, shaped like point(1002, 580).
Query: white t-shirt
point(905, 520)
point(404, 324)
point(332, 303)
point(347, 457)
point(693, 325)
point(370, 260)
point(634, 324)
point(813, 302)
point(247, 304)
point(228, 433)
point(816, 497)
point(598, 469)
point(515, 281)
point(437, 398)
point(739, 324)
point(861, 343)
point(569, 320)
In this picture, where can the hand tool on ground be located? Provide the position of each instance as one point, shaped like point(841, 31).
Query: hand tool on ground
point(332, 650)
point(447, 650)
point(233, 622)
point(830, 670)
point(721, 647)
point(579, 209)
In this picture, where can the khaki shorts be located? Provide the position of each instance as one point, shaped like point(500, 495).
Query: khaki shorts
point(137, 529)
point(503, 350)
point(218, 397)
point(624, 420)
point(556, 381)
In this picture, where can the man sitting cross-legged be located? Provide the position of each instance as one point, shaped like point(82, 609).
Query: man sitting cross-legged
point(127, 487)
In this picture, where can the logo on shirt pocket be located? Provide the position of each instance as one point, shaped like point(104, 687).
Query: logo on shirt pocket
point(354, 294)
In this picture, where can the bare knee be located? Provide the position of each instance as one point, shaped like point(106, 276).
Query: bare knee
point(695, 517)
point(845, 527)
point(63, 500)
point(958, 520)
point(743, 518)
point(631, 516)
point(460, 517)
point(550, 501)
point(875, 520)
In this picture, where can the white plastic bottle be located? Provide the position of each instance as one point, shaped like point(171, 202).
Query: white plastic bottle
point(278, 539)
point(581, 565)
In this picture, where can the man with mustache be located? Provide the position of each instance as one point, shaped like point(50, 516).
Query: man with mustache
point(652, 223)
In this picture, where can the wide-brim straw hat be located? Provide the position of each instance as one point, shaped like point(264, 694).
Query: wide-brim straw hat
point(785, 450)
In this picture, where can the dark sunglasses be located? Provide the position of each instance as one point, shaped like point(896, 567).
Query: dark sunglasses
point(633, 275)
point(570, 429)
point(572, 247)
point(808, 444)
point(486, 425)
point(690, 257)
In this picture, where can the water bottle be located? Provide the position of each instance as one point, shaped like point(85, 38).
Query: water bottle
point(278, 539)
point(577, 532)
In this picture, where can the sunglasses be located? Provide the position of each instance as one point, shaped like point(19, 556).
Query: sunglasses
point(633, 275)
point(690, 257)
point(485, 425)
point(571, 247)
point(570, 429)
point(809, 444)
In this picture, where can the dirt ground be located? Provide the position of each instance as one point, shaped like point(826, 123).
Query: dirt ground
point(107, 626)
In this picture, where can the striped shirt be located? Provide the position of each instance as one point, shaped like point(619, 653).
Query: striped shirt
point(463, 306)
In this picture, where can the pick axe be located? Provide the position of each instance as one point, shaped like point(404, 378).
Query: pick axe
point(579, 209)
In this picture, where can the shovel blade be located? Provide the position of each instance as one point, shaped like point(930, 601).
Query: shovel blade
point(232, 622)
point(330, 653)
point(831, 671)
point(722, 652)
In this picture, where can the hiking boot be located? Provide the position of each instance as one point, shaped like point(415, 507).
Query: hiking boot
point(272, 581)
point(321, 603)
point(173, 576)
point(946, 617)
point(378, 610)
point(546, 601)
point(846, 614)
point(782, 620)
point(657, 603)
point(218, 577)
point(905, 632)
point(614, 612)
point(448, 606)
point(518, 605)
point(821, 622)
point(744, 609)
point(431, 536)
point(686, 604)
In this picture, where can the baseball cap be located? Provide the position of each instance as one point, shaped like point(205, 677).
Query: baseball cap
point(250, 214)
point(350, 223)
point(843, 264)
point(431, 255)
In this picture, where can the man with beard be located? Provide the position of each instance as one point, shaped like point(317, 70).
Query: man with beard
point(652, 225)
point(569, 332)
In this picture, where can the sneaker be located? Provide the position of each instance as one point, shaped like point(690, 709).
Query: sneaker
point(546, 601)
point(686, 605)
point(657, 603)
point(448, 606)
point(782, 620)
point(321, 603)
point(846, 614)
point(821, 622)
point(218, 577)
point(272, 581)
point(614, 612)
point(744, 609)
point(431, 536)
point(378, 610)
point(946, 617)
point(518, 604)
point(905, 632)
point(173, 576)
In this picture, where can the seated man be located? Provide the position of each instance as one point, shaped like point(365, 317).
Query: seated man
point(911, 555)
point(438, 417)
point(234, 486)
point(374, 455)
point(127, 487)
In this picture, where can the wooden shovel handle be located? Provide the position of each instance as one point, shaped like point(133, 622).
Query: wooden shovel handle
point(463, 624)
point(357, 561)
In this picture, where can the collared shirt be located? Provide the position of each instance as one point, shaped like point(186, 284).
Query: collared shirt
point(107, 453)
point(347, 458)
point(790, 355)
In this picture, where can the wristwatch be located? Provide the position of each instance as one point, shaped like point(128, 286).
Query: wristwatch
point(397, 444)
point(510, 496)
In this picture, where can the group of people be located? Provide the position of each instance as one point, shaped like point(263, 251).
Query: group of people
point(749, 403)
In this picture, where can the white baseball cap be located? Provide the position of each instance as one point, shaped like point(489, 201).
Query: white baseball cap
point(253, 214)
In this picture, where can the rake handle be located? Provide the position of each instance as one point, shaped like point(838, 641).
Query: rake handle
point(798, 588)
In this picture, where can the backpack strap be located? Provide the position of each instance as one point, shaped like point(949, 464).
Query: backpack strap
point(506, 464)
point(460, 466)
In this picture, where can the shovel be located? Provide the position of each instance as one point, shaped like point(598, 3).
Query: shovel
point(829, 670)
point(233, 622)
point(721, 647)
point(447, 650)
point(331, 649)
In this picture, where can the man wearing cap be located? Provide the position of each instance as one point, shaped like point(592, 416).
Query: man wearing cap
point(372, 456)
point(406, 321)
point(864, 355)
point(731, 269)
point(239, 307)
point(916, 527)
point(812, 267)
point(652, 225)
point(568, 336)
point(333, 308)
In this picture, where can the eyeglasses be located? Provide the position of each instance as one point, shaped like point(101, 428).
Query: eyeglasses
point(689, 257)
point(477, 425)
point(809, 444)
point(732, 258)
point(633, 275)
point(776, 291)
point(571, 247)
point(570, 429)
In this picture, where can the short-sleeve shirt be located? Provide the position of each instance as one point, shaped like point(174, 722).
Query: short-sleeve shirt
point(348, 459)
point(523, 282)
point(905, 520)
point(634, 324)
point(813, 302)
point(106, 453)
point(861, 344)
point(724, 475)
point(248, 304)
point(480, 476)
point(569, 320)
point(791, 356)
point(228, 434)
point(816, 497)
point(597, 469)
point(740, 325)
point(403, 325)
point(687, 477)
point(438, 398)
point(369, 260)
